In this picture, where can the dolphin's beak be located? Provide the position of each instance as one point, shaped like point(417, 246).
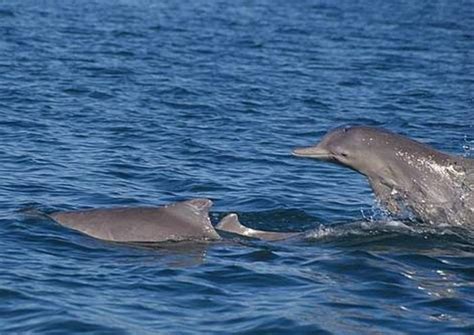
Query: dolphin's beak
point(313, 152)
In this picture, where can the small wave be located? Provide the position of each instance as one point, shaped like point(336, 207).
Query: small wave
point(360, 228)
point(361, 232)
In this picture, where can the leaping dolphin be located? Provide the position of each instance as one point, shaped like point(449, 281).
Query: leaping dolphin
point(404, 174)
point(181, 221)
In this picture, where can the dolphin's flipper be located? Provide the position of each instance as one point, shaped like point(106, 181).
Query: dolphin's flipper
point(388, 198)
point(469, 179)
point(231, 224)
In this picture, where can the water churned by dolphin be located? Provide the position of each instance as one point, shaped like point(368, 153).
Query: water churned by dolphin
point(405, 175)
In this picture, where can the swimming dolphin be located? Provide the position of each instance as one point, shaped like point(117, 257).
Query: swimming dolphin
point(231, 224)
point(188, 220)
point(181, 221)
point(404, 174)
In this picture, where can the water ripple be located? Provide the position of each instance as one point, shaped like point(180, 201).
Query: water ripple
point(143, 103)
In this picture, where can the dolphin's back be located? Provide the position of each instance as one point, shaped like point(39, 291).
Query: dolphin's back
point(188, 220)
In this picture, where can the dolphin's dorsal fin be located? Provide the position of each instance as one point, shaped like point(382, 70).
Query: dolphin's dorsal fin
point(201, 205)
point(230, 223)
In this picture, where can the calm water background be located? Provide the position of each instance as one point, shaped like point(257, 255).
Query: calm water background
point(107, 103)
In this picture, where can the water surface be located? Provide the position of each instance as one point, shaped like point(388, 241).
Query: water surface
point(134, 102)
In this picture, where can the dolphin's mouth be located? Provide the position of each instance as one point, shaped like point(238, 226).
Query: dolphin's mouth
point(313, 152)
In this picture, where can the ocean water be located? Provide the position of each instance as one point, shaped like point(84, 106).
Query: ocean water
point(134, 102)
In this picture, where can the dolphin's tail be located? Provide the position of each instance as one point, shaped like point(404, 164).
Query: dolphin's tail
point(231, 224)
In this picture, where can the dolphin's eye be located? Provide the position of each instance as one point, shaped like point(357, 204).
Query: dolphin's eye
point(344, 154)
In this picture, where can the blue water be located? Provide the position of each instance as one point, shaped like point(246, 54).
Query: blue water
point(135, 102)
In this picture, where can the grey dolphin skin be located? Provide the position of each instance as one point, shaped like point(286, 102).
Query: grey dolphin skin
point(231, 224)
point(181, 221)
point(405, 175)
point(187, 220)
